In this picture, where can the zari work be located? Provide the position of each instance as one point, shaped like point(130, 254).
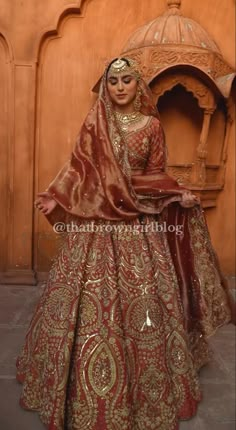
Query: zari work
point(116, 340)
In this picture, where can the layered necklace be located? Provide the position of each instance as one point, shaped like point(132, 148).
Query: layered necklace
point(125, 119)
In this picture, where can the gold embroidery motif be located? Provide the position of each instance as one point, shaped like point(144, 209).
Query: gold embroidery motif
point(102, 370)
point(178, 356)
point(153, 384)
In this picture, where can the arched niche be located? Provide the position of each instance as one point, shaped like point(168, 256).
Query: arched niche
point(195, 119)
point(63, 85)
point(70, 60)
point(181, 117)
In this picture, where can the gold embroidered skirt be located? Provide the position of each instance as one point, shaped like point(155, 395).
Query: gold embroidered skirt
point(108, 347)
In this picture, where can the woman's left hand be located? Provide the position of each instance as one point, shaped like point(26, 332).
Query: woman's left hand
point(45, 203)
point(189, 200)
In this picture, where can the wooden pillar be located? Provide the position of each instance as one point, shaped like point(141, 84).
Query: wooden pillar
point(199, 170)
point(229, 121)
point(20, 231)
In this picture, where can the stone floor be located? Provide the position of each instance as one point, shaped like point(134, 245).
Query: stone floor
point(216, 411)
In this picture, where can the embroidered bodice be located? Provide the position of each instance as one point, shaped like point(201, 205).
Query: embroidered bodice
point(146, 147)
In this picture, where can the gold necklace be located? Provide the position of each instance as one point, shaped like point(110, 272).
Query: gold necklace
point(125, 119)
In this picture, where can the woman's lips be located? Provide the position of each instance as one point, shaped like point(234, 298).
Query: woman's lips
point(121, 95)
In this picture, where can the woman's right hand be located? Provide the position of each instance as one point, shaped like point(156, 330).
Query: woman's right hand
point(45, 203)
point(189, 200)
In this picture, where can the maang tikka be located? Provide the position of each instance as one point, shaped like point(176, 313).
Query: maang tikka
point(123, 65)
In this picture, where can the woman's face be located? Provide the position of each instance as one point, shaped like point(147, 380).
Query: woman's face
point(122, 88)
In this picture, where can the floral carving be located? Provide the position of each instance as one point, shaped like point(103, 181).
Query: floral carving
point(153, 60)
point(182, 174)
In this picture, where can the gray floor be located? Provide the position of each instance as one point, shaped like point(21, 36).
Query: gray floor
point(216, 411)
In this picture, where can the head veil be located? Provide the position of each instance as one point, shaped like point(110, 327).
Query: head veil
point(94, 183)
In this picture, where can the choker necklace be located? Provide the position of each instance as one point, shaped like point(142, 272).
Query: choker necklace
point(125, 119)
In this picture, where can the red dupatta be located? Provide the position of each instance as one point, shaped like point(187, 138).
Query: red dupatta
point(94, 184)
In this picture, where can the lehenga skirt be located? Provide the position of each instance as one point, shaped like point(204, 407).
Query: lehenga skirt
point(110, 345)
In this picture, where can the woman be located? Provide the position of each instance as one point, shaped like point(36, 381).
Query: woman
point(120, 331)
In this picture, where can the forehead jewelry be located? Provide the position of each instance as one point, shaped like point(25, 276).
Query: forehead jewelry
point(121, 65)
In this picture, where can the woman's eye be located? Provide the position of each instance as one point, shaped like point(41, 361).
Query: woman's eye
point(113, 82)
point(127, 81)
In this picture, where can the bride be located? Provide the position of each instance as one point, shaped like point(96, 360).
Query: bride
point(121, 329)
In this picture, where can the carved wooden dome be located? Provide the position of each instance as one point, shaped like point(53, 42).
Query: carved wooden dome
point(171, 28)
point(173, 40)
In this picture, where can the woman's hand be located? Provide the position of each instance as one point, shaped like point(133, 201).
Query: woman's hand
point(189, 200)
point(45, 203)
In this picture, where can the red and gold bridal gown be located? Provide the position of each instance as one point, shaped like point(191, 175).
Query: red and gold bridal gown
point(120, 331)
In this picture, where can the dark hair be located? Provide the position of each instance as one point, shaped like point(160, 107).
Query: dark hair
point(113, 61)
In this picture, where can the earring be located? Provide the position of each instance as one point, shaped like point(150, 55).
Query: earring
point(137, 101)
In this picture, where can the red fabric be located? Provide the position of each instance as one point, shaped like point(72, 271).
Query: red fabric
point(92, 185)
point(120, 330)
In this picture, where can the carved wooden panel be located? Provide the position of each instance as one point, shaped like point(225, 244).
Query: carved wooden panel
point(5, 184)
point(181, 173)
point(160, 58)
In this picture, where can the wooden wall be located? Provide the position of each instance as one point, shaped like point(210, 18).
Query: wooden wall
point(51, 55)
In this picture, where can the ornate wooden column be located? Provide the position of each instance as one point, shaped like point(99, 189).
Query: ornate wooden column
point(199, 170)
